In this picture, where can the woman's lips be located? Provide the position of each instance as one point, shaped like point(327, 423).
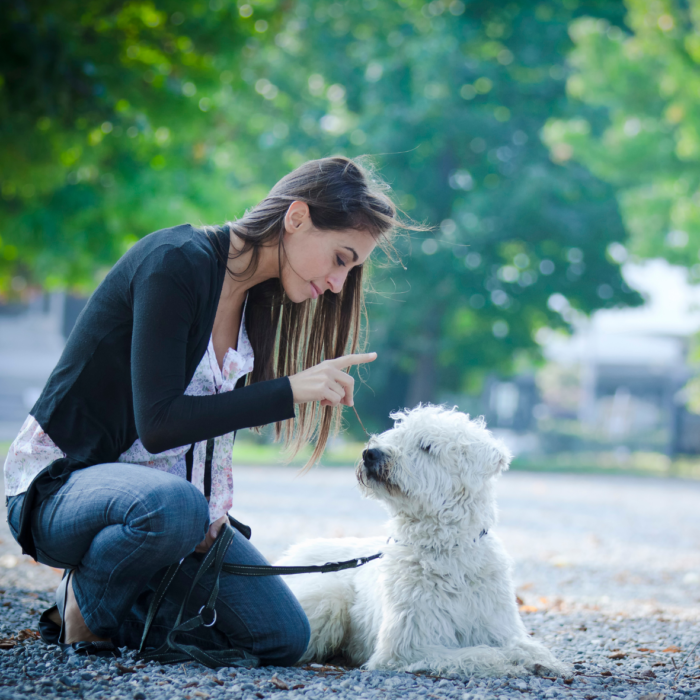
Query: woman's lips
point(315, 291)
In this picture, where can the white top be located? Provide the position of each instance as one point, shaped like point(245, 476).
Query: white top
point(33, 450)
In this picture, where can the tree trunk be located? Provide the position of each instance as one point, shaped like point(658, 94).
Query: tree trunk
point(423, 387)
point(423, 384)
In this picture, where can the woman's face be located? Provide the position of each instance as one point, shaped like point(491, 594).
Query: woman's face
point(313, 260)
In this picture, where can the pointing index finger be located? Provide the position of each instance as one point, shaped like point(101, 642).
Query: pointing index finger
point(350, 360)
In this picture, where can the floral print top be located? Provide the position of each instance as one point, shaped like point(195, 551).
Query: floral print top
point(33, 450)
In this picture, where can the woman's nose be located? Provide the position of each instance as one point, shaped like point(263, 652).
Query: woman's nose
point(335, 281)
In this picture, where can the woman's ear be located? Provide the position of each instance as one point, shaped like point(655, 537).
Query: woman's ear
point(297, 216)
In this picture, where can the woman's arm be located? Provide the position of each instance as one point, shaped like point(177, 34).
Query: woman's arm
point(165, 308)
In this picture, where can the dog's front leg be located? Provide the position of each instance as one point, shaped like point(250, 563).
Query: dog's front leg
point(536, 658)
point(399, 648)
point(392, 649)
point(479, 660)
point(517, 660)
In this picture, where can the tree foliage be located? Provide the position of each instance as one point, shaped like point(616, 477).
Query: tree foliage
point(645, 82)
point(119, 119)
point(456, 96)
point(644, 138)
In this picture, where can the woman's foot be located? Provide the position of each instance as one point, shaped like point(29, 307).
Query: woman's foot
point(74, 629)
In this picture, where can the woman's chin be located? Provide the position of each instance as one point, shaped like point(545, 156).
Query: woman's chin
point(296, 296)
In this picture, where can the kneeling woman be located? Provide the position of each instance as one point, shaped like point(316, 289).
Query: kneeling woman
point(124, 465)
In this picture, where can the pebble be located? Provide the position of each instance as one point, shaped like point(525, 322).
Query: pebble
point(32, 671)
point(632, 540)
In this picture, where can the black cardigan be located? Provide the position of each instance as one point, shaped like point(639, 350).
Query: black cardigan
point(130, 357)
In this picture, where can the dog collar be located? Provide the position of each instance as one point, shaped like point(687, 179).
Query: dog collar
point(390, 539)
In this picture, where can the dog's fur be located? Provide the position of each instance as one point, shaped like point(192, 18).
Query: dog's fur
point(441, 599)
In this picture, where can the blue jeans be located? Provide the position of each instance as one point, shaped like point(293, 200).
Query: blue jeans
point(119, 526)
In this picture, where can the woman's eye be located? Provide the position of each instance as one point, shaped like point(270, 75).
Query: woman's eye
point(340, 261)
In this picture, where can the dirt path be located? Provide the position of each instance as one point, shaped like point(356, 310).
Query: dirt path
point(626, 545)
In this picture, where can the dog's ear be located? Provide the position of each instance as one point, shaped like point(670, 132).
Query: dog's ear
point(400, 416)
point(493, 457)
point(485, 459)
point(502, 456)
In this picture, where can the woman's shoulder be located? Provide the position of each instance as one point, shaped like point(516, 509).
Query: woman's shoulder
point(177, 250)
point(185, 238)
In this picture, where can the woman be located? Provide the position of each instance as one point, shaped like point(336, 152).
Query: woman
point(146, 380)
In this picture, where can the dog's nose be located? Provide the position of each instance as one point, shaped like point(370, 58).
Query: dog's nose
point(372, 456)
point(373, 460)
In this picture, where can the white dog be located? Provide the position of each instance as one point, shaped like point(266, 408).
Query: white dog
point(441, 599)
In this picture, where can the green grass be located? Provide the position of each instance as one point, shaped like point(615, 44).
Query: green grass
point(249, 452)
point(635, 464)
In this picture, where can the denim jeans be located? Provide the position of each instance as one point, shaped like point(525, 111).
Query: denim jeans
point(119, 526)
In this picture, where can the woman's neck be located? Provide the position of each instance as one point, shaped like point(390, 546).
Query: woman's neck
point(236, 286)
point(229, 312)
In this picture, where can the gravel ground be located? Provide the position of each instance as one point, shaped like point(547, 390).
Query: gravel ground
point(607, 568)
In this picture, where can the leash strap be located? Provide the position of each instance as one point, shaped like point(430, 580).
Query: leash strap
point(173, 651)
point(157, 600)
point(246, 570)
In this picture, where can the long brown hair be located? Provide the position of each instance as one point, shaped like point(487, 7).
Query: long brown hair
point(288, 337)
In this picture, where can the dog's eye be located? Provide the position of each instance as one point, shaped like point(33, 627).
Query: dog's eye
point(425, 447)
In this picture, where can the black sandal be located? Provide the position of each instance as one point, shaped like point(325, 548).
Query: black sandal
point(51, 633)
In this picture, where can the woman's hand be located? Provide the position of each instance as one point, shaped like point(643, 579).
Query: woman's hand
point(213, 532)
point(326, 382)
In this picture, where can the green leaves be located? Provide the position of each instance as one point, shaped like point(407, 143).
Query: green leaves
point(107, 129)
point(648, 146)
point(123, 119)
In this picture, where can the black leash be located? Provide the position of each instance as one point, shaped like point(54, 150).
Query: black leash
point(172, 650)
point(331, 566)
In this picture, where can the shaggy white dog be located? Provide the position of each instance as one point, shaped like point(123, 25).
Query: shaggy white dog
point(441, 599)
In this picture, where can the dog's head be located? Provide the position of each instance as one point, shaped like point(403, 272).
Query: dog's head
point(434, 462)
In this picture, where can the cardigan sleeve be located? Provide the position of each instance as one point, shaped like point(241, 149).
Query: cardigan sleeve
point(165, 307)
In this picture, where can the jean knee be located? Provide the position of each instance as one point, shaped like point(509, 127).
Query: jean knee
point(295, 640)
point(176, 511)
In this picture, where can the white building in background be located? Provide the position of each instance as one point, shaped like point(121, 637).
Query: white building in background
point(632, 364)
point(31, 342)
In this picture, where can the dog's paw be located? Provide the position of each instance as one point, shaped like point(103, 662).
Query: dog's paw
point(553, 670)
point(376, 665)
point(383, 662)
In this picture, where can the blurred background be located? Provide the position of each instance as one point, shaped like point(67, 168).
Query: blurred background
point(553, 146)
